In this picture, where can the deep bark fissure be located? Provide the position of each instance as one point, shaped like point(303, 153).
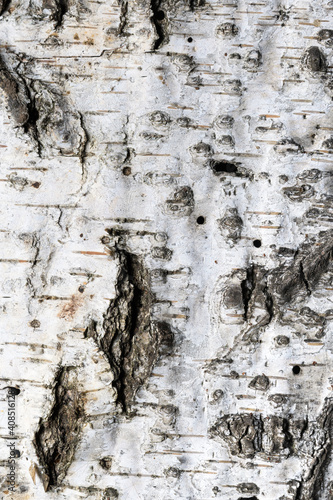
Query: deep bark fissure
point(123, 17)
point(303, 278)
point(248, 286)
point(4, 6)
point(61, 12)
point(158, 20)
point(311, 486)
point(131, 340)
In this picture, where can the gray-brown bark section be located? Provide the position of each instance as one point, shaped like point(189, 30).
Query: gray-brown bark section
point(57, 437)
point(131, 340)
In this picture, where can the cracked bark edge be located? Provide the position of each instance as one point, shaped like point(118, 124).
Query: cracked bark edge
point(132, 341)
point(57, 437)
point(311, 486)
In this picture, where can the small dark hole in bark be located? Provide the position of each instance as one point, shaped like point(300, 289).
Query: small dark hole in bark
point(14, 391)
point(296, 369)
point(81, 289)
point(200, 220)
point(248, 498)
point(160, 15)
point(190, 39)
point(127, 171)
point(224, 166)
point(257, 243)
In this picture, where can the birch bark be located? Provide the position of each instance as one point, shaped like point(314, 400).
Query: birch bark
point(166, 257)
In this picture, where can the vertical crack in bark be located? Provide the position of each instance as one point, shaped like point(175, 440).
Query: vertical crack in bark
point(83, 149)
point(303, 278)
point(4, 6)
point(21, 101)
point(248, 285)
point(158, 21)
point(30, 127)
point(132, 342)
point(18, 99)
point(269, 302)
point(62, 9)
point(312, 486)
point(257, 301)
point(49, 10)
point(123, 17)
point(127, 313)
point(57, 437)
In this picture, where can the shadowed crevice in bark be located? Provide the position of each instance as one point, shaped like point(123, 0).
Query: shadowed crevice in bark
point(16, 93)
point(49, 10)
point(20, 100)
point(162, 10)
point(257, 302)
point(132, 342)
point(279, 294)
point(61, 11)
point(313, 484)
point(159, 22)
point(123, 18)
point(57, 437)
point(4, 6)
point(247, 286)
point(291, 281)
point(43, 113)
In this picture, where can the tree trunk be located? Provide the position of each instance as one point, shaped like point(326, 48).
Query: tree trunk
point(166, 252)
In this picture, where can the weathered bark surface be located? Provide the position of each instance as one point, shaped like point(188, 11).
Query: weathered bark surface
point(166, 258)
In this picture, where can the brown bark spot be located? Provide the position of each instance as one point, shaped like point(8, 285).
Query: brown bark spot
point(70, 308)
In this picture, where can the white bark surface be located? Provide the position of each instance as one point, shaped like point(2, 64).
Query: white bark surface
point(118, 131)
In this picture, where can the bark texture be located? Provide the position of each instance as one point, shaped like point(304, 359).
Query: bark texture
point(167, 242)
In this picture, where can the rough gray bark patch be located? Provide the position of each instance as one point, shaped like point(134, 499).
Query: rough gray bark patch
point(131, 341)
point(57, 437)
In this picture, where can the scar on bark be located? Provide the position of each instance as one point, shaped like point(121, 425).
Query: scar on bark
point(131, 341)
point(57, 437)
